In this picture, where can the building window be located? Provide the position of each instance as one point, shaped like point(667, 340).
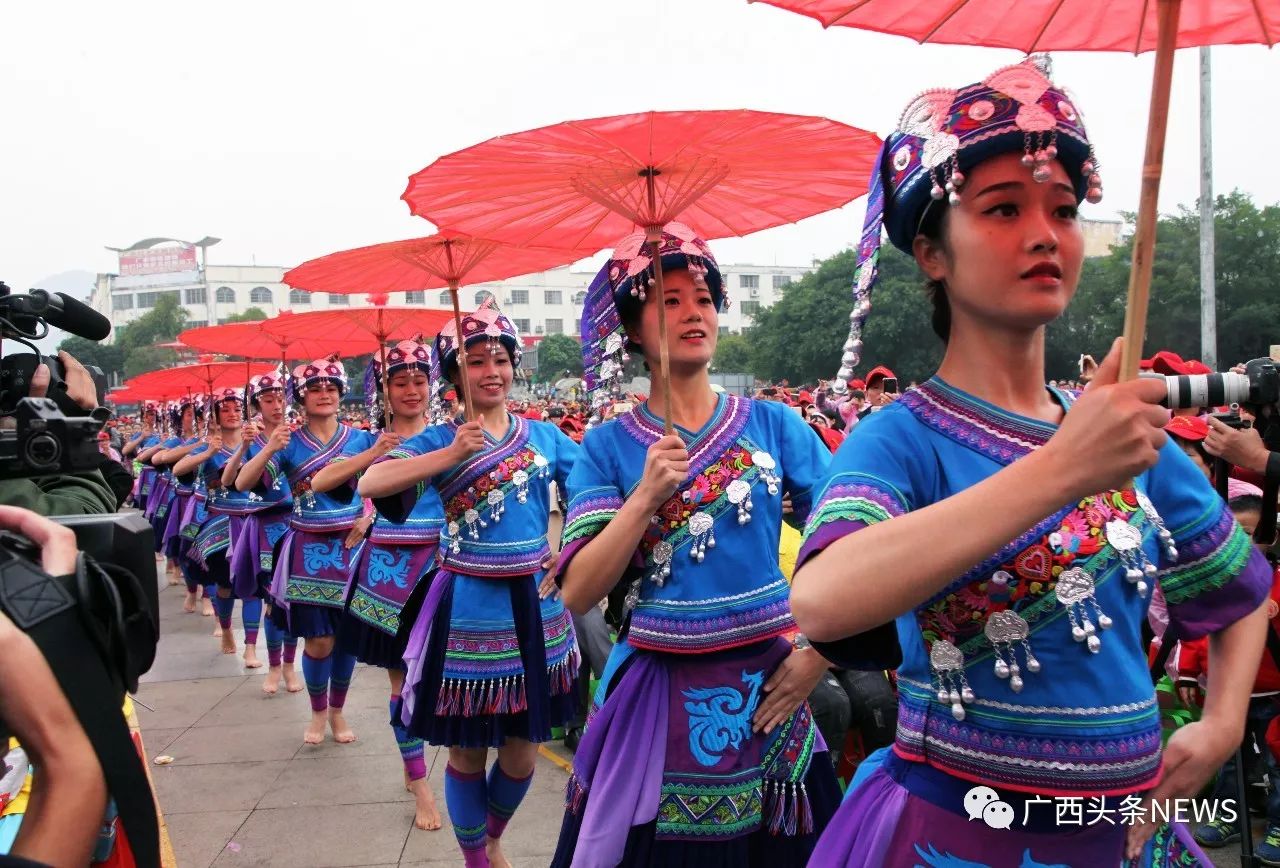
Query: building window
point(149, 299)
point(197, 323)
point(299, 296)
point(337, 298)
point(415, 296)
point(482, 296)
point(519, 296)
point(555, 326)
point(198, 295)
point(749, 308)
point(781, 280)
point(579, 297)
point(260, 295)
point(522, 325)
point(553, 296)
point(445, 300)
point(724, 330)
point(122, 302)
point(226, 295)
point(749, 281)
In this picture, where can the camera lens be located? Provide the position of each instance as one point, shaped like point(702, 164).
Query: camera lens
point(1206, 390)
point(42, 451)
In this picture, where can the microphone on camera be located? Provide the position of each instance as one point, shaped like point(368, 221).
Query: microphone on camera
point(74, 316)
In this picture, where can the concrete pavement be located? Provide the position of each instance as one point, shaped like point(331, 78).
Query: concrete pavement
point(243, 790)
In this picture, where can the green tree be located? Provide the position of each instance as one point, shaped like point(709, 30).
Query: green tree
point(800, 338)
point(253, 314)
point(109, 357)
point(144, 359)
point(559, 356)
point(733, 355)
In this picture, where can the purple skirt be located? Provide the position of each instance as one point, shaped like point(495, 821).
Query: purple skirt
point(906, 814)
point(305, 621)
point(174, 544)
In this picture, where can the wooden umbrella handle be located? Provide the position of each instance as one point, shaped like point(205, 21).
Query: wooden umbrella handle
point(664, 354)
point(1144, 239)
point(467, 409)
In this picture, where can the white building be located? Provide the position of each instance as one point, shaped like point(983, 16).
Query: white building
point(545, 303)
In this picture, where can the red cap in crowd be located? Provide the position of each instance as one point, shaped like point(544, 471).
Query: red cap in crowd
point(1193, 428)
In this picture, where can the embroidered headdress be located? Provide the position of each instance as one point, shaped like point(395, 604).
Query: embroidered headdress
point(626, 276)
point(403, 356)
point(327, 370)
point(942, 135)
point(264, 383)
point(486, 324)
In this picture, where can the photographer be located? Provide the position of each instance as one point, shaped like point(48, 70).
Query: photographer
point(69, 794)
point(1243, 448)
point(68, 494)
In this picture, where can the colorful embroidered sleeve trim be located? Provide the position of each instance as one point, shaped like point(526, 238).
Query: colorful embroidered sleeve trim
point(590, 512)
point(1210, 561)
point(854, 501)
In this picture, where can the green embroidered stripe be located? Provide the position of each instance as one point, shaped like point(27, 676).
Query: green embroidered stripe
point(375, 613)
point(710, 811)
point(1215, 571)
point(847, 509)
point(587, 524)
point(315, 592)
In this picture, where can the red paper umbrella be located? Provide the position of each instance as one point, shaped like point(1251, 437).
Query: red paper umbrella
point(447, 259)
point(1084, 25)
point(1050, 25)
point(201, 377)
point(256, 340)
point(374, 325)
point(588, 183)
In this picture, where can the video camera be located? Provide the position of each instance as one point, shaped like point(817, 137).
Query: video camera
point(53, 434)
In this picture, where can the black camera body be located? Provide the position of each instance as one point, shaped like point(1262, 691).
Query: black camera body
point(47, 442)
point(16, 372)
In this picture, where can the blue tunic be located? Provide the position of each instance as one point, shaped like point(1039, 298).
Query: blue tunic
point(706, 576)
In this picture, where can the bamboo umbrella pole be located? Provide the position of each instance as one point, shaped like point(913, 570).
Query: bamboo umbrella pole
point(653, 234)
point(1144, 240)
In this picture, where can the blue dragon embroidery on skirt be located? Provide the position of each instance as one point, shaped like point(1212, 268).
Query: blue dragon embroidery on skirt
point(317, 556)
point(720, 717)
point(934, 859)
point(383, 569)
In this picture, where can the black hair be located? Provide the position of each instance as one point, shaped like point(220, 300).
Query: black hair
point(1246, 503)
point(933, 226)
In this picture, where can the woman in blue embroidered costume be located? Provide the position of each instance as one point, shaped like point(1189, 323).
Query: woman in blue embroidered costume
point(259, 522)
point(175, 497)
point(992, 518)
point(313, 559)
point(211, 549)
point(701, 747)
point(491, 655)
point(396, 556)
point(133, 449)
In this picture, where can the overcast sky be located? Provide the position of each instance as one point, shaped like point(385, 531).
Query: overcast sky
point(288, 129)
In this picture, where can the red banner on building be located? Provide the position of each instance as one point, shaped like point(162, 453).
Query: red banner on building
point(158, 260)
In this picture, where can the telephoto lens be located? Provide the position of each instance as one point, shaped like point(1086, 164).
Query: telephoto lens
point(1205, 390)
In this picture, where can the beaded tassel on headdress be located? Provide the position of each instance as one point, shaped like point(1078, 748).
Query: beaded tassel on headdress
point(942, 134)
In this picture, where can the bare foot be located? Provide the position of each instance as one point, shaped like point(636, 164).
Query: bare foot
point(342, 733)
point(272, 682)
point(207, 608)
point(315, 729)
point(217, 631)
point(228, 642)
point(497, 859)
point(251, 660)
point(426, 816)
point(189, 604)
point(292, 682)
point(174, 580)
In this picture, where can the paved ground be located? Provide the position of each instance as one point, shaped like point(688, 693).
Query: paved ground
point(243, 790)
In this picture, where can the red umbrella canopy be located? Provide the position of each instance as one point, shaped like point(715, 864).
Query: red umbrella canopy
point(585, 184)
point(424, 263)
point(256, 340)
point(372, 324)
point(195, 379)
point(1050, 25)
